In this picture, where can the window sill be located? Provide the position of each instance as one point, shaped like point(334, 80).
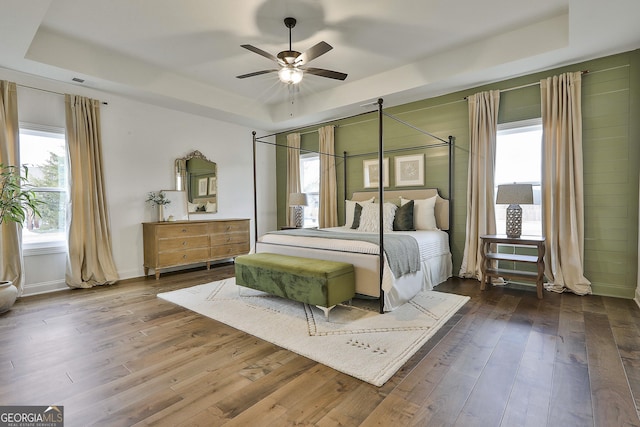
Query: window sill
point(44, 248)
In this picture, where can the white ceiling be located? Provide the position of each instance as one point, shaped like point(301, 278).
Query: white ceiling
point(185, 54)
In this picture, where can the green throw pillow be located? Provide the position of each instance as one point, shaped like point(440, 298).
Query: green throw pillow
point(403, 220)
point(357, 211)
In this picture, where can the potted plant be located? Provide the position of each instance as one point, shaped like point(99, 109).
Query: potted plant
point(16, 202)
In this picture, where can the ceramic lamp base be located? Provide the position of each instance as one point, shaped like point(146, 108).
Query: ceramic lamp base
point(514, 221)
point(299, 213)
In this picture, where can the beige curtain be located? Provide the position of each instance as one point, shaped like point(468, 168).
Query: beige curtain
point(481, 217)
point(293, 173)
point(11, 261)
point(90, 260)
point(562, 183)
point(328, 209)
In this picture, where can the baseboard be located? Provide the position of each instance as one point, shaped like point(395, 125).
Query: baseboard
point(44, 287)
point(637, 297)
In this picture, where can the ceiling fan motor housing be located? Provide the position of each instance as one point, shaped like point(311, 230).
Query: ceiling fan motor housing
point(288, 56)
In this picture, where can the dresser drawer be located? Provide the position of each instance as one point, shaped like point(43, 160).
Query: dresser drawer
point(182, 243)
point(168, 259)
point(229, 251)
point(177, 230)
point(229, 238)
point(228, 226)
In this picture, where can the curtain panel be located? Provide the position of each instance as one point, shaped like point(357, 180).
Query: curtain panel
point(328, 209)
point(481, 217)
point(562, 183)
point(11, 261)
point(293, 173)
point(90, 261)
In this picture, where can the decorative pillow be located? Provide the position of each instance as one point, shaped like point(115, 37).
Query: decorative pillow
point(424, 217)
point(403, 220)
point(349, 210)
point(210, 207)
point(370, 217)
point(192, 207)
point(356, 216)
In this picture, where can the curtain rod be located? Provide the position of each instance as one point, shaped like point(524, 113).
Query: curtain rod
point(50, 91)
point(582, 72)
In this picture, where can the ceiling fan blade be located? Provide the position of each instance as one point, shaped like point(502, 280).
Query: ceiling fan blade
point(325, 73)
point(313, 52)
point(261, 52)
point(256, 73)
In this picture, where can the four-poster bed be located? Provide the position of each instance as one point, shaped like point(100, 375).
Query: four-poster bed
point(370, 257)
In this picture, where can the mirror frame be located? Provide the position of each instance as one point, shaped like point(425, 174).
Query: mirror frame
point(182, 181)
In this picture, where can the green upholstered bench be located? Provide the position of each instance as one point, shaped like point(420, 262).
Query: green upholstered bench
point(311, 281)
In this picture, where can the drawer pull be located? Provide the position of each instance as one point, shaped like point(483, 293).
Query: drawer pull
point(184, 257)
point(184, 230)
point(184, 243)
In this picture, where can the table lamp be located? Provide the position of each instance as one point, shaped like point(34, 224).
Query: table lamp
point(297, 201)
point(514, 195)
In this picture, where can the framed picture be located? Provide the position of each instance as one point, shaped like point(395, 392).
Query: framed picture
point(372, 174)
point(203, 186)
point(177, 207)
point(213, 185)
point(409, 170)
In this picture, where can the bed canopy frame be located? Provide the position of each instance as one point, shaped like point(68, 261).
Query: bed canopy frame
point(449, 142)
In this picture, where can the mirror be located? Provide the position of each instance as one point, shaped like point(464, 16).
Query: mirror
point(198, 177)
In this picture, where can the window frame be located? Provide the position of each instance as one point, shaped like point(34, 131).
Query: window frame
point(304, 157)
point(518, 127)
point(58, 245)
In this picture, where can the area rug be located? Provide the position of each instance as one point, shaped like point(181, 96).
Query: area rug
point(356, 340)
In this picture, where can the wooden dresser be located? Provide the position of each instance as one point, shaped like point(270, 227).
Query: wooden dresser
point(172, 244)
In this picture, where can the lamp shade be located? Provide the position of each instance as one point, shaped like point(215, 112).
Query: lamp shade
point(298, 199)
point(515, 194)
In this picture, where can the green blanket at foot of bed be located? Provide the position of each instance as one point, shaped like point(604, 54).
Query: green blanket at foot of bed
point(311, 281)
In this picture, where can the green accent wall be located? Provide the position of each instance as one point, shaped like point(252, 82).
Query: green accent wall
point(611, 153)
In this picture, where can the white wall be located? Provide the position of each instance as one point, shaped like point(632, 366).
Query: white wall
point(140, 143)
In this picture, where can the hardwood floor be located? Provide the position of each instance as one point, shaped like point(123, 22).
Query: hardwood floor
point(119, 356)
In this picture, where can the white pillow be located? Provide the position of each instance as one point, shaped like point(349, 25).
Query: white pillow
point(370, 217)
point(349, 209)
point(424, 217)
point(210, 207)
point(192, 207)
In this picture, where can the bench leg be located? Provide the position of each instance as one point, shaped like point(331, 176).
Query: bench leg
point(326, 311)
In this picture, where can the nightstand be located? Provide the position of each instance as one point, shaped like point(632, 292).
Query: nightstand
point(488, 271)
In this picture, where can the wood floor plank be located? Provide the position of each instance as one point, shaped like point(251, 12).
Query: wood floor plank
point(118, 355)
point(487, 402)
point(570, 392)
point(610, 393)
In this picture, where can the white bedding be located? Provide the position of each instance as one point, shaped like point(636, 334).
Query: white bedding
point(436, 266)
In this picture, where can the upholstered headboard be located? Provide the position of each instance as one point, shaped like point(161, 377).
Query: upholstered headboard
point(441, 209)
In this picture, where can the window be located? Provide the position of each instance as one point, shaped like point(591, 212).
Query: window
point(310, 184)
point(519, 159)
point(43, 150)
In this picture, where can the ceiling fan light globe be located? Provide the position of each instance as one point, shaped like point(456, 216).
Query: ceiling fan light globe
point(290, 75)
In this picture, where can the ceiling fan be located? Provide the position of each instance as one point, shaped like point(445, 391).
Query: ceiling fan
point(292, 63)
